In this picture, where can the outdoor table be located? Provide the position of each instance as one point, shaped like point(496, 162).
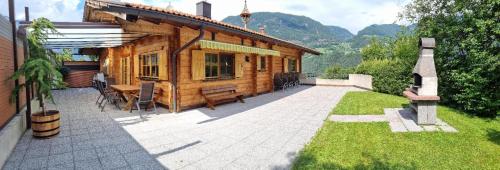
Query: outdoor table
point(127, 92)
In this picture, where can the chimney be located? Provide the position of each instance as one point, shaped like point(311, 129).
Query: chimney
point(204, 9)
point(262, 29)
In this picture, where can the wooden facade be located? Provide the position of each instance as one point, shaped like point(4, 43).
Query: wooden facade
point(250, 72)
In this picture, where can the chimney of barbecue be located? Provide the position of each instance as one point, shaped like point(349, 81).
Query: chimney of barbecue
point(204, 9)
point(425, 70)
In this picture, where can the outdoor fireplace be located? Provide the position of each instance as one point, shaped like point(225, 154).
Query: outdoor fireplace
point(423, 92)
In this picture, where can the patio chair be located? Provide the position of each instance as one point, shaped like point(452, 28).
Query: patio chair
point(109, 96)
point(145, 97)
point(286, 80)
point(278, 81)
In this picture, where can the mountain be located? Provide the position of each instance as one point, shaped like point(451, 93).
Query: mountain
point(337, 45)
point(340, 33)
point(378, 31)
point(298, 29)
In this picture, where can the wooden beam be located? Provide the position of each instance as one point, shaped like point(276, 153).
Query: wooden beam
point(143, 26)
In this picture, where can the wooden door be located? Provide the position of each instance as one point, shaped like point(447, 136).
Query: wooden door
point(125, 67)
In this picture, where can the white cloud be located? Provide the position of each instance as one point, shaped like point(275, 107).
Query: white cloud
point(351, 14)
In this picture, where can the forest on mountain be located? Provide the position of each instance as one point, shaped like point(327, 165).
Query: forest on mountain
point(338, 46)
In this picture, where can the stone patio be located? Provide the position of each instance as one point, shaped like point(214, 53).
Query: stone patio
point(266, 132)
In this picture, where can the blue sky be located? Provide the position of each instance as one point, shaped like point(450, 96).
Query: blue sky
point(351, 14)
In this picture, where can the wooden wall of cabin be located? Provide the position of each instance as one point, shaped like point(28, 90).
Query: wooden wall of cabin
point(253, 81)
point(112, 59)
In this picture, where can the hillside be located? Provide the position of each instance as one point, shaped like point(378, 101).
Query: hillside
point(338, 45)
point(378, 31)
point(299, 29)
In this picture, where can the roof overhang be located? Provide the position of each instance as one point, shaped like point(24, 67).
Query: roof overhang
point(88, 35)
point(192, 22)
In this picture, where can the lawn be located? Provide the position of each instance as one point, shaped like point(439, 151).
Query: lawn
point(374, 146)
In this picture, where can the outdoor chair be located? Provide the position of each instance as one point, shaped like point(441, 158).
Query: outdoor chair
point(145, 97)
point(108, 96)
point(278, 81)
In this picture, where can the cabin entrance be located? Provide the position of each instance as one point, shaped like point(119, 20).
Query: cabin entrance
point(125, 67)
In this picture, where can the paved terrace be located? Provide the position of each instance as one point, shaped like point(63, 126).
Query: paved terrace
point(266, 132)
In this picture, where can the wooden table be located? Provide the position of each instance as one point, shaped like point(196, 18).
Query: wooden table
point(127, 92)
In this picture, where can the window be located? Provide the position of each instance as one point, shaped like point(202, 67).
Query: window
point(148, 66)
point(262, 66)
point(211, 65)
point(292, 65)
point(219, 66)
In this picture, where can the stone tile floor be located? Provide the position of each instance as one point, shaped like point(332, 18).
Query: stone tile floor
point(266, 132)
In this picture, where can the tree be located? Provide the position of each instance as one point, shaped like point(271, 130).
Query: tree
point(467, 53)
point(39, 69)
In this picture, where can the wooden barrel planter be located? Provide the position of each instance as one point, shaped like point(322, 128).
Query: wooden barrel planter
point(45, 126)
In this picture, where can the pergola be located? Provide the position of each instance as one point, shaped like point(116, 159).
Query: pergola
point(88, 35)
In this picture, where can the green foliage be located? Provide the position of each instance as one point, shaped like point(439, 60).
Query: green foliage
point(467, 53)
point(39, 69)
point(65, 55)
point(376, 49)
point(389, 76)
point(374, 146)
point(340, 54)
point(337, 72)
point(390, 62)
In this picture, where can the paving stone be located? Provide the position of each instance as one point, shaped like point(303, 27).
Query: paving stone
point(68, 166)
point(89, 164)
point(58, 149)
point(138, 157)
point(395, 122)
point(148, 167)
point(85, 154)
point(128, 147)
point(34, 163)
point(65, 158)
point(107, 151)
point(113, 162)
point(40, 151)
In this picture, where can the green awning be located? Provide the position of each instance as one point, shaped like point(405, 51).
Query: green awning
point(205, 44)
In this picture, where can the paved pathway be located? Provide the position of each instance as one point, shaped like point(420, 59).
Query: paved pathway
point(266, 132)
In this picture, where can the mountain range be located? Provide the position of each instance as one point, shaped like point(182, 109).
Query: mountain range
point(307, 31)
point(338, 46)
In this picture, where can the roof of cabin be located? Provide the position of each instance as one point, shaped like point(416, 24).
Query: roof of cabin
point(170, 14)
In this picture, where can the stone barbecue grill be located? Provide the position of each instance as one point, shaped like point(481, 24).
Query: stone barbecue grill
point(423, 93)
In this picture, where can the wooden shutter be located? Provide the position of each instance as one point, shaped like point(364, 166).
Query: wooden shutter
point(136, 66)
point(198, 65)
point(239, 65)
point(285, 65)
point(259, 63)
point(163, 65)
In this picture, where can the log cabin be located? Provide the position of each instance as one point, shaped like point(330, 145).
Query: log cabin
point(184, 53)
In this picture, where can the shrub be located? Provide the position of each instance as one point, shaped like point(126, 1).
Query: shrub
point(337, 72)
point(389, 76)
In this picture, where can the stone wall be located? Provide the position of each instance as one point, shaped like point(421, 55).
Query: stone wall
point(355, 80)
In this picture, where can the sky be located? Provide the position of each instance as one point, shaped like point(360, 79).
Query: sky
point(353, 15)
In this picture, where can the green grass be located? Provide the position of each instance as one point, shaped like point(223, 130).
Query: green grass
point(367, 103)
point(374, 146)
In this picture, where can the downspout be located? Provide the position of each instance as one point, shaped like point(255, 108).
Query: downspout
point(174, 65)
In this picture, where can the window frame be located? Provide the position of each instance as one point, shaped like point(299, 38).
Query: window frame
point(149, 66)
point(219, 69)
point(263, 63)
point(294, 68)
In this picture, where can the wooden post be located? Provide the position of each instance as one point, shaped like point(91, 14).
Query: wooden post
point(12, 19)
point(253, 61)
point(271, 68)
point(28, 86)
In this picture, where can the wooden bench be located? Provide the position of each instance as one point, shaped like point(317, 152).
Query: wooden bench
point(221, 94)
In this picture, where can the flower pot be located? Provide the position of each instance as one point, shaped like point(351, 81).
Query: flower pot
point(45, 126)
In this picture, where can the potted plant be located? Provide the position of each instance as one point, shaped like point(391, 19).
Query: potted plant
point(40, 71)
